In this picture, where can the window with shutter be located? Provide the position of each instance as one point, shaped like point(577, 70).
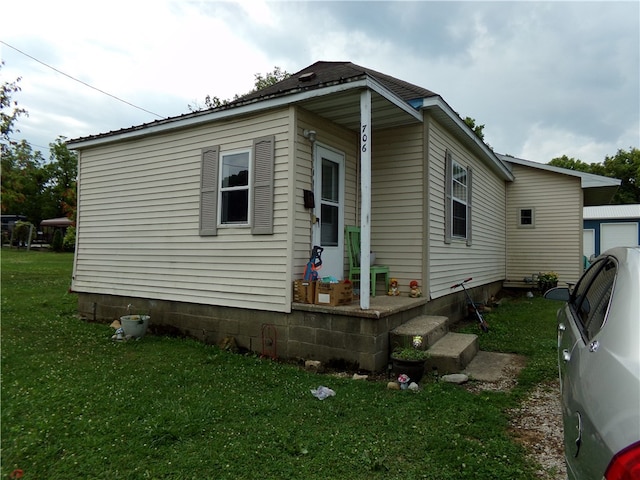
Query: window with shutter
point(264, 153)
point(209, 191)
point(457, 200)
point(227, 190)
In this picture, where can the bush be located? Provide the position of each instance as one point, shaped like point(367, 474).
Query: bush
point(69, 241)
point(56, 243)
point(21, 232)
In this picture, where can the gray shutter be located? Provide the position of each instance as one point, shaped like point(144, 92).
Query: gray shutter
point(209, 192)
point(263, 160)
point(469, 209)
point(448, 169)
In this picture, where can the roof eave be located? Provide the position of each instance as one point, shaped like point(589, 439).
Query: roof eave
point(256, 105)
point(436, 103)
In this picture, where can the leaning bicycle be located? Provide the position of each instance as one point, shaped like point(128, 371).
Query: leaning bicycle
point(484, 326)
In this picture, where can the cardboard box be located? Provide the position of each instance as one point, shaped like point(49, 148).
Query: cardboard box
point(304, 291)
point(334, 293)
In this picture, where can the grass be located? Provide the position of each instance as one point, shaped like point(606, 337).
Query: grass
point(77, 405)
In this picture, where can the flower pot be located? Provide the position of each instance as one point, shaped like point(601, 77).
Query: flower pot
point(414, 369)
point(135, 325)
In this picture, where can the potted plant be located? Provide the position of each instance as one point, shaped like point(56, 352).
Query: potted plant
point(410, 360)
point(134, 326)
point(547, 280)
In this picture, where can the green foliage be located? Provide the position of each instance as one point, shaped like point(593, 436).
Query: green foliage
point(29, 186)
point(9, 111)
point(69, 240)
point(477, 129)
point(77, 405)
point(410, 353)
point(21, 231)
point(57, 241)
point(526, 326)
point(624, 165)
point(270, 78)
point(571, 164)
point(261, 81)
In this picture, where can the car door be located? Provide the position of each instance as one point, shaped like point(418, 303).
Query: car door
point(579, 361)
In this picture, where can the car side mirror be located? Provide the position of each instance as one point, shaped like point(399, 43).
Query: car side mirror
point(557, 293)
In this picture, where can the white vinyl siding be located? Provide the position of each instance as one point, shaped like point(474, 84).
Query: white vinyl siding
point(398, 202)
point(484, 259)
point(555, 242)
point(334, 137)
point(139, 221)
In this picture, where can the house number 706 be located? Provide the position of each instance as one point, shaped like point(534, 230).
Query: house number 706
point(364, 139)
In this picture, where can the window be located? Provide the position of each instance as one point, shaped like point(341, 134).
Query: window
point(457, 201)
point(526, 218)
point(591, 297)
point(234, 188)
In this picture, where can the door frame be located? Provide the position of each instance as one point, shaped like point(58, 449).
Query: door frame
point(332, 257)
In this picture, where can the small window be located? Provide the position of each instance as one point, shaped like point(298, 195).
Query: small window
point(234, 188)
point(526, 218)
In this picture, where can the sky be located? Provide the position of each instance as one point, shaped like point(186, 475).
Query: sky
point(546, 79)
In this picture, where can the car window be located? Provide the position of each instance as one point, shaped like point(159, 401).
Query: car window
point(591, 297)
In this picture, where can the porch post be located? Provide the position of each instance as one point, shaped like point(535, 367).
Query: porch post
point(365, 189)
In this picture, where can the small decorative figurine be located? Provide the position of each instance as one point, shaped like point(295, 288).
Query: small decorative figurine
point(414, 289)
point(393, 288)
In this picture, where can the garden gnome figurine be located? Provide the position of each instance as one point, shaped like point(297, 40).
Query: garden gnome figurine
point(393, 288)
point(414, 289)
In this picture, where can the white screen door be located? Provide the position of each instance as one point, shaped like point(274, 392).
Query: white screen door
point(329, 194)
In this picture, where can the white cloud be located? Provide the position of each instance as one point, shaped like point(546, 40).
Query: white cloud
point(545, 78)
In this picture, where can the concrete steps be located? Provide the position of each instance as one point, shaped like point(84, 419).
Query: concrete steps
point(452, 353)
point(431, 328)
point(449, 352)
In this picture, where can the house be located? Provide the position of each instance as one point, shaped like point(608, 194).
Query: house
point(204, 220)
point(609, 226)
point(544, 219)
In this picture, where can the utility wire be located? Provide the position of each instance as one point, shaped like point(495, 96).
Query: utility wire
point(79, 81)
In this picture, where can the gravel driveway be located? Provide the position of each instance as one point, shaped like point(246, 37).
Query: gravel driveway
point(537, 424)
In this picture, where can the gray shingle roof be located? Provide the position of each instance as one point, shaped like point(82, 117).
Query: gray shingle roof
point(322, 74)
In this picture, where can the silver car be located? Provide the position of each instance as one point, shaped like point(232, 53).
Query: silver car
point(599, 366)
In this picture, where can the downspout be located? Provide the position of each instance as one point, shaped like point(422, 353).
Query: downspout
point(365, 206)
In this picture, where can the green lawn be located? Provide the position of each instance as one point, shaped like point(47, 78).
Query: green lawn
point(77, 405)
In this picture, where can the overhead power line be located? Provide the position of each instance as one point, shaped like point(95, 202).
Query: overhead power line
point(79, 81)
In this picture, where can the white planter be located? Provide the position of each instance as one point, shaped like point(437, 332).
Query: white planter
point(135, 325)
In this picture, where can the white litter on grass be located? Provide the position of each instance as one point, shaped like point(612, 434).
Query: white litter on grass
point(323, 392)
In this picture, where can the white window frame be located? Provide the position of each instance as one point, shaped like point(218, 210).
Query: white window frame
point(461, 201)
point(533, 218)
point(248, 188)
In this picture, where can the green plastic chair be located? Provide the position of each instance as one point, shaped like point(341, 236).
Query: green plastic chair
point(352, 235)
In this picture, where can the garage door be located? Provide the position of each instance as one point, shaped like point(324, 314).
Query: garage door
point(618, 235)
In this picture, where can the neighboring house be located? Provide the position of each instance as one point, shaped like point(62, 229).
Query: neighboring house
point(544, 219)
point(206, 219)
point(609, 226)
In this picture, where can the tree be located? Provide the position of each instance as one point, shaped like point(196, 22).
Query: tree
point(260, 82)
point(23, 179)
point(571, 164)
point(9, 110)
point(62, 173)
point(624, 165)
point(477, 129)
point(270, 78)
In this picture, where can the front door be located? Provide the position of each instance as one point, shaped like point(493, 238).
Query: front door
point(328, 232)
